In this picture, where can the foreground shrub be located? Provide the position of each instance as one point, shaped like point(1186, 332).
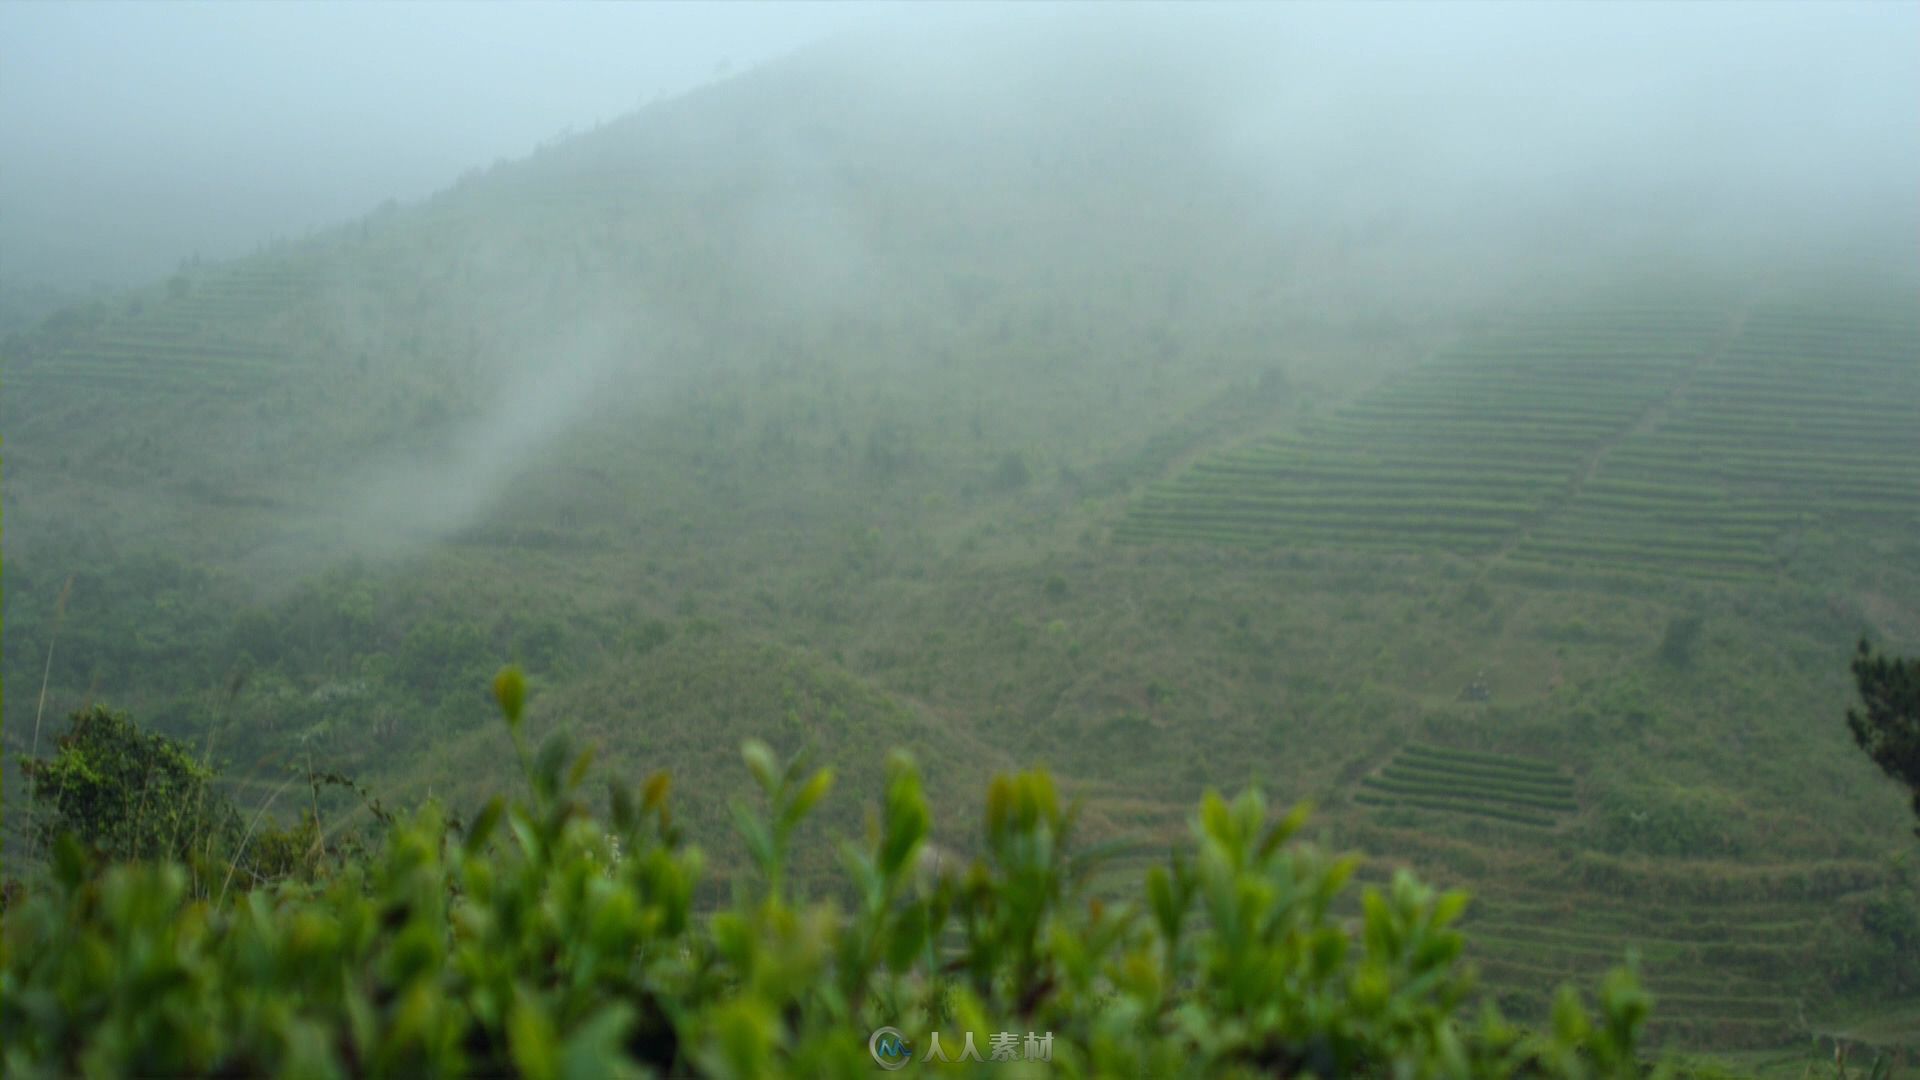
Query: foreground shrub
point(544, 941)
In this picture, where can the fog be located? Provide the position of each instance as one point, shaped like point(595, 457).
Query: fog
point(138, 135)
point(401, 505)
point(1390, 157)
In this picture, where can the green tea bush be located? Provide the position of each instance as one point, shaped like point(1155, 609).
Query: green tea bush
point(543, 940)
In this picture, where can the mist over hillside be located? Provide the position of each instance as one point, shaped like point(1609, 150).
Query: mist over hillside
point(1203, 170)
point(1492, 423)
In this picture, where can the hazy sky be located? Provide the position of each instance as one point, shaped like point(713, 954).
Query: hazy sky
point(132, 135)
point(135, 135)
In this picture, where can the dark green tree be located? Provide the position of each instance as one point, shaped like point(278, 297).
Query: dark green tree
point(127, 793)
point(1888, 725)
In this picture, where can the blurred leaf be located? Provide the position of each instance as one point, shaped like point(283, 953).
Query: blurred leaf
point(761, 763)
point(483, 826)
point(530, 1034)
point(808, 797)
point(654, 792)
point(596, 1047)
point(510, 690)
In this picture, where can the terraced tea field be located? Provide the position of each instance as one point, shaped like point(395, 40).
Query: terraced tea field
point(190, 342)
point(1811, 417)
point(1461, 454)
point(1729, 955)
point(1731, 951)
point(1719, 970)
point(1699, 441)
point(1485, 785)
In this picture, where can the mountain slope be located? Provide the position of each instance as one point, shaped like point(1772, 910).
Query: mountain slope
point(851, 405)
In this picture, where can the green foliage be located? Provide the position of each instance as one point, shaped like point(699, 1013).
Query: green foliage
point(1884, 958)
point(1893, 916)
point(1665, 820)
point(114, 793)
point(649, 636)
point(1682, 637)
point(133, 620)
point(128, 794)
point(545, 940)
point(1621, 704)
point(1888, 727)
point(1493, 786)
point(1478, 597)
point(275, 853)
point(1012, 472)
point(438, 656)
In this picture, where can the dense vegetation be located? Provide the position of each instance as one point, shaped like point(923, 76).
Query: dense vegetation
point(571, 944)
point(543, 939)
